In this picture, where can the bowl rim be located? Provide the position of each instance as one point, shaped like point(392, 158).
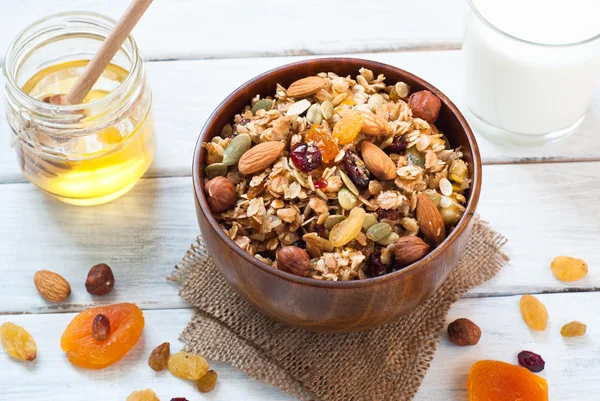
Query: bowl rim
point(460, 227)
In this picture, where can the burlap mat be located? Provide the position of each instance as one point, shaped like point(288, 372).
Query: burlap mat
point(387, 363)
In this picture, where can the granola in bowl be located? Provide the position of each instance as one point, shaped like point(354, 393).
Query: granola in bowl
point(337, 178)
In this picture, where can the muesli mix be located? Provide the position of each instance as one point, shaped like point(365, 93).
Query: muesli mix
point(337, 178)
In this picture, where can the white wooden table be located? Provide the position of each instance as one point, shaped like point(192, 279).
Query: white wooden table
point(545, 201)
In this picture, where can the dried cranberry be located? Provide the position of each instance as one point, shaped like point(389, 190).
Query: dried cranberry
point(356, 170)
point(398, 146)
point(306, 157)
point(320, 184)
point(376, 266)
point(531, 361)
point(390, 214)
point(179, 399)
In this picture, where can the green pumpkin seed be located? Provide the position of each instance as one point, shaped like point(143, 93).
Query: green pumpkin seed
point(264, 104)
point(370, 220)
point(349, 184)
point(388, 141)
point(375, 101)
point(215, 170)
point(416, 158)
point(332, 220)
point(313, 115)
point(226, 131)
point(389, 239)
point(327, 109)
point(298, 108)
point(237, 147)
point(378, 231)
point(347, 199)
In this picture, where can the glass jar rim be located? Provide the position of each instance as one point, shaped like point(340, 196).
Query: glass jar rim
point(487, 22)
point(12, 52)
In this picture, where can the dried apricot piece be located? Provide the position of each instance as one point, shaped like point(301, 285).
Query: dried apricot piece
point(573, 329)
point(17, 342)
point(187, 366)
point(324, 141)
point(348, 128)
point(500, 381)
point(534, 312)
point(568, 269)
point(143, 395)
point(127, 323)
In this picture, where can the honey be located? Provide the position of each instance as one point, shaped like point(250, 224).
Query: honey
point(97, 167)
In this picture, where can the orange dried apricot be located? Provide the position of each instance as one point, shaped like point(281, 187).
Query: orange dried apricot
point(127, 323)
point(534, 312)
point(324, 141)
point(348, 128)
point(500, 381)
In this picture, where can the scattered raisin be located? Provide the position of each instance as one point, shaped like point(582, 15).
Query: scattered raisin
point(356, 170)
point(159, 358)
point(398, 146)
point(306, 157)
point(143, 395)
point(376, 266)
point(207, 383)
point(101, 327)
point(17, 342)
point(534, 312)
point(187, 366)
point(573, 329)
point(531, 361)
point(389, 214)
point(568, 269)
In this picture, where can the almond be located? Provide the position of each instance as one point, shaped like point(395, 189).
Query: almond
point(430, 220)
point(410, 249)
point(260, 157)
point(373, 124)
point(306, 86)
point(378, 163)
point(52, 286)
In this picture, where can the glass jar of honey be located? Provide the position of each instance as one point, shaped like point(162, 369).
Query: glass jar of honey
point(83, 154)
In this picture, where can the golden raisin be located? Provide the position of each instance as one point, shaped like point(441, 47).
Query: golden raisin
point(207, 383)
point(17, 342)
point(187, 366)
point(534, 312)
point(324, 141)
point(143, 395)
point(348, 128)
point(348, 229)
point(573, 329)
point(567, 269)
point(500, 381)
point(159, 358)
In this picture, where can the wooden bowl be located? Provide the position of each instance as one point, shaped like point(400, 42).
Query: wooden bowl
point(333, 306)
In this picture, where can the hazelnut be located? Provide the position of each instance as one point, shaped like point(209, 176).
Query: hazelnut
point(220, 193)
point(425, 105)
point(464, 332)
point(293, 260)
point(100, 280)
point(101, 327)
point(410, 249)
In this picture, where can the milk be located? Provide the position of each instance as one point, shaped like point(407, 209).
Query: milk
point(531, 67)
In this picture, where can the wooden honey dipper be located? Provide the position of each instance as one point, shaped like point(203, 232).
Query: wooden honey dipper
point(104, 56)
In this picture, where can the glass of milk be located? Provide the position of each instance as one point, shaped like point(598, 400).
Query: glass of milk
point(531, 67)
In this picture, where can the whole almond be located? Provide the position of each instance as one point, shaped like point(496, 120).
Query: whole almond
point(306, 86)
point(378, 163)
point(410, 249)
point(430, 220)
point(52, 286)
point(260, 157)
point(373, 124)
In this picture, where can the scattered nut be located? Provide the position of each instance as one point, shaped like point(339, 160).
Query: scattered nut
point(159, 358)
point(51, 286)
point(101, 327)
point(425, 105)
point(221, 194)
point(410, 249)
point(430, 220)
point(100, 280)
point(293, 260)
point(463, 332)
point(207, 383)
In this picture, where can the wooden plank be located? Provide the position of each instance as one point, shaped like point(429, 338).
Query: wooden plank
point(186, 92)
point(544, 211)
point(184, 29)
point(571, 364)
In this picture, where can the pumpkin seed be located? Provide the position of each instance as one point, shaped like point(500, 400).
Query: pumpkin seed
point(226, 131)
point(370, 220)
point(388, 141)
point(416, 158)
point(378, 231)
point(349, 184)
point(332, 220)
point(402, 89)
point(237, 147)
point(215, 170)
point(347, 199)
point(264, 104)
point(389, 239)
point(313, 115)
point(339, 99)
point(327, 109)
point(375, 101)
point(298, 108)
